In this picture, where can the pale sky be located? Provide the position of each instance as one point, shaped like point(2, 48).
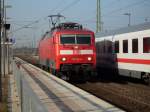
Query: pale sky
point(24, 12)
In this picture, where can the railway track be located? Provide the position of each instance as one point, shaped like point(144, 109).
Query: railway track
point(131, 96)
point(125, 96)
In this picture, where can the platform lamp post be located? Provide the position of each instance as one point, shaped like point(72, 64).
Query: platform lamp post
point(129, 16)
point(2, 31)
point(5, 38)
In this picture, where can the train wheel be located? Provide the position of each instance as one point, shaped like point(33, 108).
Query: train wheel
point(82, 76)
point(93, 76)
point(53, 71)
point(146, 78)
point(63, 75)
point(86, 75)
point(83, 79)
point(42, 67)
point(46, 69)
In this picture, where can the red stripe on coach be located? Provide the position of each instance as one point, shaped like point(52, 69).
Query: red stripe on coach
point(134, 61)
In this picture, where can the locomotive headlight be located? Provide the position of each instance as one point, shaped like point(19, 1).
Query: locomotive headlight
point(89, 58)
point(63, 59)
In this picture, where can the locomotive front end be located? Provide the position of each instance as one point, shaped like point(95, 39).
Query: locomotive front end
point(68, 50)
point(77, 52)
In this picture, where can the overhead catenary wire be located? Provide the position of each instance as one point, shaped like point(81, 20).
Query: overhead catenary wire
point(36, 21)
point(69, 6)
point(27, 25)
point(30, 22)
point(128, 6)
point(58, 5)
point(120, 9)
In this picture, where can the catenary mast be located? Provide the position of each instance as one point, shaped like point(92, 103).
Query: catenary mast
point(98, 17)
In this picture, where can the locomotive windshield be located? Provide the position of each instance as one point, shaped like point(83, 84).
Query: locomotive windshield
point(75, 39)
point(67, 39)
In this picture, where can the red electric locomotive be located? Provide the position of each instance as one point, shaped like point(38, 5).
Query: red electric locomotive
point(68, 51)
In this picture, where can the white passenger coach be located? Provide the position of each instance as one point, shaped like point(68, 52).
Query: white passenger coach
point(125, 51)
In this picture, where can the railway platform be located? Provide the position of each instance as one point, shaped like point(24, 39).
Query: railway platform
point(51, 94)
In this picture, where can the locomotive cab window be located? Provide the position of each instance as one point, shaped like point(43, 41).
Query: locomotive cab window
point(125, 46)
point(83, 39)
point(146, 45)
point(135, 46)
point(67, 39)
point(75, 39)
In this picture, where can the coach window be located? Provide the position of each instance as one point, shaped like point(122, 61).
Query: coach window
point(125, 46)
point(146, 45)
point(135, 46)
point(116, 46)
